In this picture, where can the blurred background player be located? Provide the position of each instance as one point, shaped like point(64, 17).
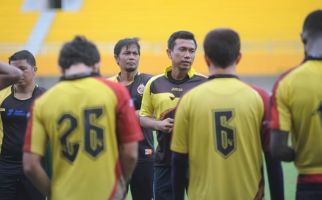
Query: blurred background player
point(15, 103)
point(160, 98)
point(91, 125)
point(8, 75)
point(127, 56)
point(220, 138)
point(297, 109)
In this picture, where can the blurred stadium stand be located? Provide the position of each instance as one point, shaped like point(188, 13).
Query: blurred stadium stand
point(269, 30)
point(16, 27)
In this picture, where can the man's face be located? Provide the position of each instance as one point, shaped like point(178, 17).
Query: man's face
point(129, 57)
point(28, 72)
point(183, 54)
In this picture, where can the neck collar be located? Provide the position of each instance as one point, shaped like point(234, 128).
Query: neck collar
point(190, 73)
point(118, 77)
point(222, 76)
point(312, 58)
point(79, 76)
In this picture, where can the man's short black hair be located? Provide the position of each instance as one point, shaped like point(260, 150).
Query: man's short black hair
point(180, 35)
point(222, 47)
point(313, 22)
point(79, 50)
point(124, 43)
point(23, 55)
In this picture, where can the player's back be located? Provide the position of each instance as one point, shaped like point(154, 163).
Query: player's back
point(225, 158)
point(298, 95)
point(80, 120)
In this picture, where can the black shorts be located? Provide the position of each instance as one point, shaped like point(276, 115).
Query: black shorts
point(309, 191)
point(309, 187)
point(18, 187)
point(141, 184)
point(162, 183)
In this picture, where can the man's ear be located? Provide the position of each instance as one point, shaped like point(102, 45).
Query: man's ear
point(96, 67)
point(208, 61)
point(116, 59)
point(169, 53)
point(61, 70)
point(303, 37)
point(238, 58)
point(35, 68)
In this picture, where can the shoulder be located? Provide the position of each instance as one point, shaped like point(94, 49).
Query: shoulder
point(4, 93)
point(41, 95)
point(116, 87)
point(286, 77)
point(113, 78)
point(255, 90)
point(151, 84)
point(197, 91)
point(142, 78)
point(119, 90)
point(262, 93)
point(199, 77)
point(39, 90)
point(192, 96)
point(156, 78)
point(5, 90)
point(145, 76)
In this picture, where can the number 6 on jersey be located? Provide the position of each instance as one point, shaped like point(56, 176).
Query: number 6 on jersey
point(224, 135)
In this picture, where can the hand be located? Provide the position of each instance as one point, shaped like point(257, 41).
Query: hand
point(165, 125)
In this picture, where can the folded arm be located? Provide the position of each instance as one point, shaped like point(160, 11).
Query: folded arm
point(8, 75)
point(279, 146)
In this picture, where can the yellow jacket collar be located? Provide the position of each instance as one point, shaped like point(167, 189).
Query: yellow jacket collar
point(191, 71)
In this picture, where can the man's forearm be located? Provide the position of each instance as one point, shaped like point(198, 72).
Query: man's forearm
point(128, 166)
point(128, 158)
point(10, 71)
point(148, 122)
point(8, 75)
point(36, 174)
point(275, 177)
point(41, 181)
point(165, 125)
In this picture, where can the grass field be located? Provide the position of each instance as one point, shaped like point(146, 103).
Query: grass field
point(290, 175)
point(290, 178)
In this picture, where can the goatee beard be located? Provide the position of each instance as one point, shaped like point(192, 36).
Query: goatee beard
point(132, 69)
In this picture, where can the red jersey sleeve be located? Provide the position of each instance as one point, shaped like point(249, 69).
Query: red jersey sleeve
point(265, 130)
